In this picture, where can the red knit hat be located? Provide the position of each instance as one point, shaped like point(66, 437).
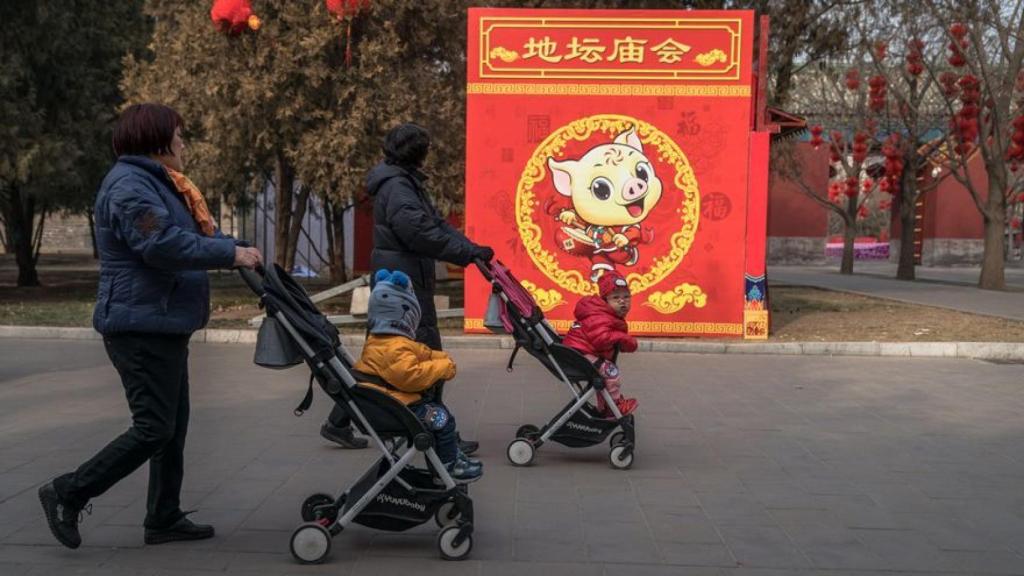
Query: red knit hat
point(609, 282)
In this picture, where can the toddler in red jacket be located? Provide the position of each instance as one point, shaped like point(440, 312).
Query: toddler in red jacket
point(599, 329)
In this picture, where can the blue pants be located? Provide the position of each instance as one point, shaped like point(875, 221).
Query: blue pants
point(436, 418)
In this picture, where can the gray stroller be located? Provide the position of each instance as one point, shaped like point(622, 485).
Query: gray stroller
point(394, 494)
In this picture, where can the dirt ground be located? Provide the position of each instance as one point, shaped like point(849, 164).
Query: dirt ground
point(797, 313)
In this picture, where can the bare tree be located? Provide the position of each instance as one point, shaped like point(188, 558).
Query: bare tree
point(983, 94)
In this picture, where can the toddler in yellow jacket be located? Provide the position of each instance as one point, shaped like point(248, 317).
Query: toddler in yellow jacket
point(411, 369)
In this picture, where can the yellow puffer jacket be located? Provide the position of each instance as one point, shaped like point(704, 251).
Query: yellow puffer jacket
point(407, 365)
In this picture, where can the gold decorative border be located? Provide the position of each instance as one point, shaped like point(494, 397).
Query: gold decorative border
point(580, 130)
point(653, 327)
point(734, 26)
point(710, 90)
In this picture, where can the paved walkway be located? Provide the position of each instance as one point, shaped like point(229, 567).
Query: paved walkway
point(762, 466)
point(942, 287)
point(967, 276)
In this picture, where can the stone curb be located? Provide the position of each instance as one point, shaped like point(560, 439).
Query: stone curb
point(979, 350)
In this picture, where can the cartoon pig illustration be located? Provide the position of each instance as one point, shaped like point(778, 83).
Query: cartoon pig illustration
point(613, 189)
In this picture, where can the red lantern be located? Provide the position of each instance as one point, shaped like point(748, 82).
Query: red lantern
point(965, 122)
point(234, 16)
point(949, 83)
point(852, 187)
point(860, 147)
point(852, 79)
point(835, 190)
point(816, 132)
point(342, 8)
point(959, 32)
point(876, 92)
point(862, 212)
point(346, 10)
point(914, 59)
point(893, 163)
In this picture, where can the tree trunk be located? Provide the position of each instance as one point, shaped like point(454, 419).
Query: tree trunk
point(19, 215)
point(906, 270)
point(285, 181)
point(992, 264)
point(849, 234)
point(336, 242)
point(295, 226)
point(92, 233)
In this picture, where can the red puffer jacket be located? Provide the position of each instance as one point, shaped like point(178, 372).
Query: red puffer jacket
point(598, 330)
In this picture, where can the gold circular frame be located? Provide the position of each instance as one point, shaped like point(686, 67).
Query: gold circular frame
point(581, 130)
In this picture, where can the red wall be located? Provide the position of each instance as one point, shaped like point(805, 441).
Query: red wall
point(949, 210)
point(790, 211)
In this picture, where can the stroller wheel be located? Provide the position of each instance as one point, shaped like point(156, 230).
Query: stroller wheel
point(446, 515)
point(319, 506)
point(311, 543)
point(617, 438)
point(528, 431)
point(520, 452)
point(446, 544)
point(621, 457)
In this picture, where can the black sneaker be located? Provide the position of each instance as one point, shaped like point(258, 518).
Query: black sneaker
point(62, 518)
point(343, 437)
point(183, 529)
point(468, 447)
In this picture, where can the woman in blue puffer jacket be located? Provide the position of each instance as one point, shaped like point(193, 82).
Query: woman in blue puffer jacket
point(156, 240)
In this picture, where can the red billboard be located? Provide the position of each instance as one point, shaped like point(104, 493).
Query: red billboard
point(620, 140)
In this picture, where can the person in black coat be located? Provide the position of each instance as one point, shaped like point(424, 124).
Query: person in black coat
point(410, 235)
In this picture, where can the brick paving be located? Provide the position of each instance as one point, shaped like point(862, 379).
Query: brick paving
point(747, 465)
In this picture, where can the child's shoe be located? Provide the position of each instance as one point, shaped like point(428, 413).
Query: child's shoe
point(463, 471)
point(626, 405)
point(464, 456)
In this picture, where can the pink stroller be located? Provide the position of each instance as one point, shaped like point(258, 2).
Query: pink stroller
point(511, 310)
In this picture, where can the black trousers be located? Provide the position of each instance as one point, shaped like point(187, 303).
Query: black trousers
point(426, 333)
point(154, 372)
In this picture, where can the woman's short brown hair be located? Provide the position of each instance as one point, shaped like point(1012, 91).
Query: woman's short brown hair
point(145, 129)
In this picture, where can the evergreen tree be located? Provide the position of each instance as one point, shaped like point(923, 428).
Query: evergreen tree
point(60, 62)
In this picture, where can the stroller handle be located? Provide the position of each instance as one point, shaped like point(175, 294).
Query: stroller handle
point(485, 268)
point(254, 279)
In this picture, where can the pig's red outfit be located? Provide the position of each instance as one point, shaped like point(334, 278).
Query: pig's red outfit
point(596, 333)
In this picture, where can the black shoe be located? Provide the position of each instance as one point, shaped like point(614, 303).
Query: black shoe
point(183, 529)
point(343, 437)
point(62, 518)
point(468, 447)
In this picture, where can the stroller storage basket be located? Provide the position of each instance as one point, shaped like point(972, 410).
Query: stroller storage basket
point(399, 507)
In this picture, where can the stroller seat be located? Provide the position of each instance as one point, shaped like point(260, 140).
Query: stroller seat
point(387, 416)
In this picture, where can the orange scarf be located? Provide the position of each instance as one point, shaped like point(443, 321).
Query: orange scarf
point(193, 200)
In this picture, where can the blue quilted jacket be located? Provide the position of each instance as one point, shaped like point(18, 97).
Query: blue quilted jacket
point(153, 258)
